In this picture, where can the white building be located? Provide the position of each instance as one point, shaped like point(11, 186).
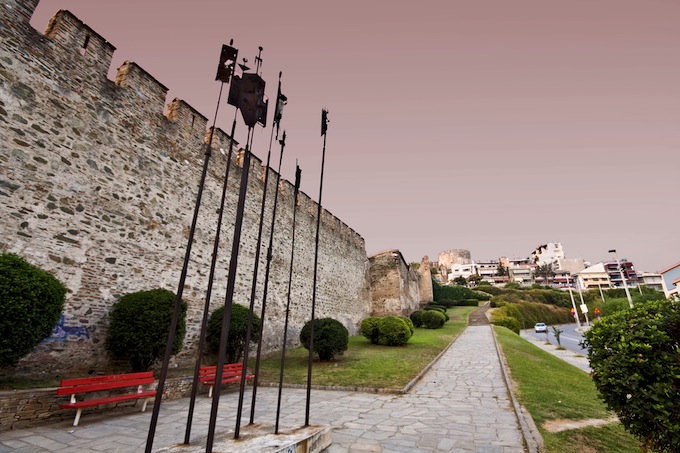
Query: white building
point(651, 280)
point(547, 253)
point(593, 277)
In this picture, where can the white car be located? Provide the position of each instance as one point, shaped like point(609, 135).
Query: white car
point(540, 327)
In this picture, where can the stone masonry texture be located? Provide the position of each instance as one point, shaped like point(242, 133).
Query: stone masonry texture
point(98, 184)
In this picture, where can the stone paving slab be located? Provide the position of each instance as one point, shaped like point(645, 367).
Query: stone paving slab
point(460, 405)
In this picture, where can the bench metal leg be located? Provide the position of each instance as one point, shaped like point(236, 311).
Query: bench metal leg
point(210, 392)
point(78, 412)
point(146, 400)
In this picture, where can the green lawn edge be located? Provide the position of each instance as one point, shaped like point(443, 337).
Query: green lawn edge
point(368, 366)
point(552, 389)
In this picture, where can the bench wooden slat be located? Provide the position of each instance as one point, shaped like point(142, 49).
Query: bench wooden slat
point(110, 378)
point(107, 400)
point(97, 387)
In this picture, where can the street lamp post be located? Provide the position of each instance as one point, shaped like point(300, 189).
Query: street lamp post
point(623, 277)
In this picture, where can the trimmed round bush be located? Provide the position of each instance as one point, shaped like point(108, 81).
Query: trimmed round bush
point(417, 318)
point(433, 319)
point(238, 329)
point(393, 331)
point(369, 329)
point(31, 302)
point(409, 323)
point(139, 327)
point(636, 368)
point(331, 338)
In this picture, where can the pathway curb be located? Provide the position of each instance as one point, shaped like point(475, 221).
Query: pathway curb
point(532, 437)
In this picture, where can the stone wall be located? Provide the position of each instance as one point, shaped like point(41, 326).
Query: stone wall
point(425, 281)
point(98, 186)
point(394, 287)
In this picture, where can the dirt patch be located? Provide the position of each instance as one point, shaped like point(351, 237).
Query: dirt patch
point(557, 425)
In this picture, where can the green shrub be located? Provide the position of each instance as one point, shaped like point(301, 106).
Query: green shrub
point(369, 329)
point(468, 303)
point(492, 290)
point(448, 303)
point(455, 292)
point(409, 323)
point(31, 302)
point(330, 337)
point(433, 319)
point(393, 331)
point(238, 330)
point(529, 313)
point(636, 368)
point(506, 321)
point(139, 327)
point(417, 318)
point(446, 315)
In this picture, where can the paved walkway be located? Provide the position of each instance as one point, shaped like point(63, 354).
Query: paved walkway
point(460, 405)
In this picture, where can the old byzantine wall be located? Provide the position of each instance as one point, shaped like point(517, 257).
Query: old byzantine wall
point(98, 183)
point(395, 288)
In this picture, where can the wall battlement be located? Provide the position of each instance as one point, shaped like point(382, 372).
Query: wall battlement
point(98, 186)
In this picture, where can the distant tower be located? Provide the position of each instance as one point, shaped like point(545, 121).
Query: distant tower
point(454, 256)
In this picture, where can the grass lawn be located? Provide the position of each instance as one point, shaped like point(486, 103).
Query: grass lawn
point(368, 365)
point(551, 389)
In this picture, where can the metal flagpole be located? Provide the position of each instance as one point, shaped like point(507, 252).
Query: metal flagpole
point(277, 119)
point(324, 127)
point(249, 98)
point(225, 69)
point(206, 307)
point(231, 282)
point(180, 287)
point(251, 308)
point(290, 281)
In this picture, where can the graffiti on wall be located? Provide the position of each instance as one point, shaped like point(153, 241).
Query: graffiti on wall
point(62, 332)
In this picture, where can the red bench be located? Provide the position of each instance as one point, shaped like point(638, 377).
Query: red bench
point(78, 386)
point(230, 373)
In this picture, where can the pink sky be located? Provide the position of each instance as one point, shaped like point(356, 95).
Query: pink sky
point(489, 125)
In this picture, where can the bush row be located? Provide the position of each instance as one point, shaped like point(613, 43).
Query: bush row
point(526, 314)
point(456, 292)
point(544, 296)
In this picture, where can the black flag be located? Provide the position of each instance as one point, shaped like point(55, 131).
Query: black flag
point(281, 101)
point(227, 61)
point(324, 121)
point(247, 94)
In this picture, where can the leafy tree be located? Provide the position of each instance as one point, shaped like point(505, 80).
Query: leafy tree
point(31, 302)
point(474, 278)
point(545, 271)
point(139, 327)
point(502, 270)
point(238, 330)
point(635, 358)
point(460, 280)
point(330, 337)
